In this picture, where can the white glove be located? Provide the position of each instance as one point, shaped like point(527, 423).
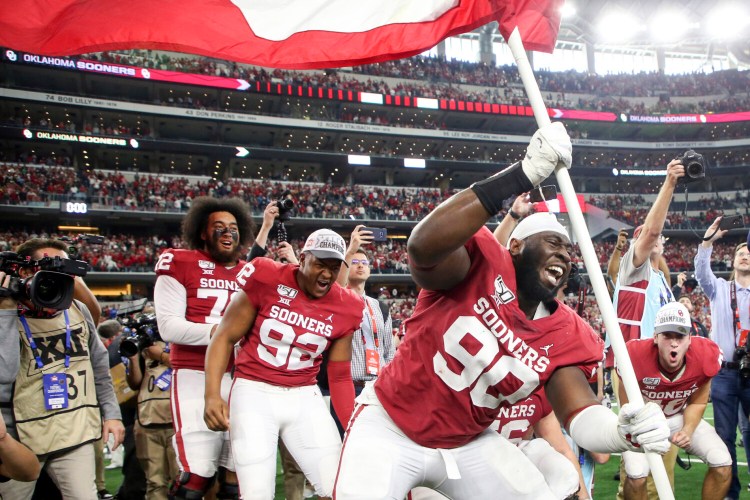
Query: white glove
point(550, 146)
point(645, 427)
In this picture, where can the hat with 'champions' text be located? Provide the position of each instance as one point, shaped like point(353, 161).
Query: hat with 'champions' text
point(672, 317)
point(326, 244)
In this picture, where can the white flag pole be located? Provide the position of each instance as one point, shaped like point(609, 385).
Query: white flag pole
point(590, 260)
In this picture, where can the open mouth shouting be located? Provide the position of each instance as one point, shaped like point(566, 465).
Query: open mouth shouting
point(322, 285)
point(553, 274)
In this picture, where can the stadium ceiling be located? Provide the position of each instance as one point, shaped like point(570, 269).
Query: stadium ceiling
point(583, 28)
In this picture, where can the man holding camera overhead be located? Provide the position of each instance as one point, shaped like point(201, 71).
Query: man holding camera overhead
point(63, 388)
point(193, 287)
point(730, 322)
point(641, 286)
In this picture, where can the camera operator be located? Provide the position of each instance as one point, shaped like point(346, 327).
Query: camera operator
point(730, 322)
point(16, 460)
point(62, 389)
point(150, 373)
point(642, 287)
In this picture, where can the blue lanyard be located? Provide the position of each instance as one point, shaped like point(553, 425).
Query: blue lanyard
point(669, 297)
point(33, 346)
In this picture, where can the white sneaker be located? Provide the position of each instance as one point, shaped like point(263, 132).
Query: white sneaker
point(117, 458)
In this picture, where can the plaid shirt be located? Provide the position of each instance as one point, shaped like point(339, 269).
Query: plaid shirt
point(364, 336)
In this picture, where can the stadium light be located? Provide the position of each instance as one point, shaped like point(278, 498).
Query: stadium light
point(669, 26)
point(359, 160)
point(568, 10)
point(618, 26)
point(727, 21)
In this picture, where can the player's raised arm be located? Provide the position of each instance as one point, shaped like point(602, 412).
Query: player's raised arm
point(436, 254)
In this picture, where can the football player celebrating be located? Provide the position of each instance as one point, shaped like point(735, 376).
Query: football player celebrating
point(286, 316)
point(193, 287)
point(674, 370)
point(486, 333)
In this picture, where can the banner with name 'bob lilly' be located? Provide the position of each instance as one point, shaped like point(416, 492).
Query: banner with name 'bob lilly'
point(272, 33)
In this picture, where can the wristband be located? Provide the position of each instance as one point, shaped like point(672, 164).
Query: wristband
point(494, 190)
point(514, 215)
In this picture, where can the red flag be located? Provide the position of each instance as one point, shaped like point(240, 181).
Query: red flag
point(272, 33)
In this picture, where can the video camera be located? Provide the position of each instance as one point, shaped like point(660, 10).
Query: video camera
point(695, 166)
point(91, 239)
point(52, 284)
point(142, 333)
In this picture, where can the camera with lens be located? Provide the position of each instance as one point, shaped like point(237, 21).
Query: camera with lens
point(695, 166)
point(51, 285)
point(285, 204)
point(575, 281)
point(742, 358)
point(91, 239)
point(142, 333)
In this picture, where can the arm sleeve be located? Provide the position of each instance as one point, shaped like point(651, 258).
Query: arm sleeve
point(105, 392)
point(389, 350)
point(342, 389)
point(256, 251)
point(706, 278)
point(595, 429)
point(10, 353)
point(170, 301)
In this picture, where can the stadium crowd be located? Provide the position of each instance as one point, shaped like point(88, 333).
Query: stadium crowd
point(437, 78)
point(37, 180)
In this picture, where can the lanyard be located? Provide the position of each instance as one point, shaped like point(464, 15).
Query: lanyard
point(374, 326)
point(33, 346)
point(669, 297)
point(736, 313)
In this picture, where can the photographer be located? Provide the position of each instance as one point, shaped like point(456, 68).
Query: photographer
point(150, 373)
point(730, 322)
point(16, 461)
point(642, 287)
point(63, 387)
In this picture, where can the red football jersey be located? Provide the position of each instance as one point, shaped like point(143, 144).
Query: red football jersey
point(702, 362)
point(514, 422)
point(291, 330)
point(209, 287)
point(470, 350)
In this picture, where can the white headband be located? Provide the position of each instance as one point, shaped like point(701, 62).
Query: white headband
point(537, 223)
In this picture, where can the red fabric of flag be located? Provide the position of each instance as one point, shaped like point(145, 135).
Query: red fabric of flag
point(272, 33)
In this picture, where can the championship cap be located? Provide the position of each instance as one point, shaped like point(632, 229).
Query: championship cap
point(326, 244)
point(673, 317)
point(537, 223)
